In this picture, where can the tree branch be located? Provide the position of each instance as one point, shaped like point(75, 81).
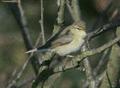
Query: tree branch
point(98, 50)
point(41, 21)
point(76, 10)
point(18, 13)
point(109, 26)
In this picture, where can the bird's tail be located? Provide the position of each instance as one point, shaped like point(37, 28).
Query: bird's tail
point(38, 50)
point(31, 51)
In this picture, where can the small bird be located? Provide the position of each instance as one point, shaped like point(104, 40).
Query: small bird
point(67, 41)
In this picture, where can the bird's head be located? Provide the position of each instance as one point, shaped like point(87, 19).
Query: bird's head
point(79, 28)
point(79, 25)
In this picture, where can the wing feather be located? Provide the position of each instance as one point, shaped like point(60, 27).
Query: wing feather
point(64, 38)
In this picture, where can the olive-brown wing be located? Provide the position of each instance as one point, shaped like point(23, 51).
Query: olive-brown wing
point(64, 38)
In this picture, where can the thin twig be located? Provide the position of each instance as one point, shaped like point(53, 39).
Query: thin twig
point(70, 9)
point(26, 36)
point(99, 78)
point(41, 21)
point(106, 27)
point(101, 62)
point(19, 74)
point(27, 39)
point(60, 17)
point(25, 82)
point(108, 78)
point(24, 66)
point(76, 10)
point(88, 70)
point(61, 6)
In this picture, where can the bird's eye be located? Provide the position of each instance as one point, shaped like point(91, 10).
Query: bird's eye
point(78, 28)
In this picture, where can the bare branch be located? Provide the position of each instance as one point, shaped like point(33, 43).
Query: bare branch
point(101, 62)
point(76, 10)
point(108, 78)
point(88, 70)
point(41, 21)
point(26, 36)
point(70, 9)
point(19, 74)
point(61, 6)
point(25, 82)
point(98, 50)
point(21, 19)
point(106, 27)
point(24, 66)
point(60, 17)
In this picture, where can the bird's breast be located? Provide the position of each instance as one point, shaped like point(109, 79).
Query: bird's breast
point(73, 46)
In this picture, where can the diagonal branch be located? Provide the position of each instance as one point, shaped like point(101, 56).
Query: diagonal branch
point(18, 13)
point(106, 27)
point(108, 78)
point(98, 50)
point(27, 39)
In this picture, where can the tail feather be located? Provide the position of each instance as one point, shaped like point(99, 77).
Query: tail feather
point(36, 50)
point(31, 51)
